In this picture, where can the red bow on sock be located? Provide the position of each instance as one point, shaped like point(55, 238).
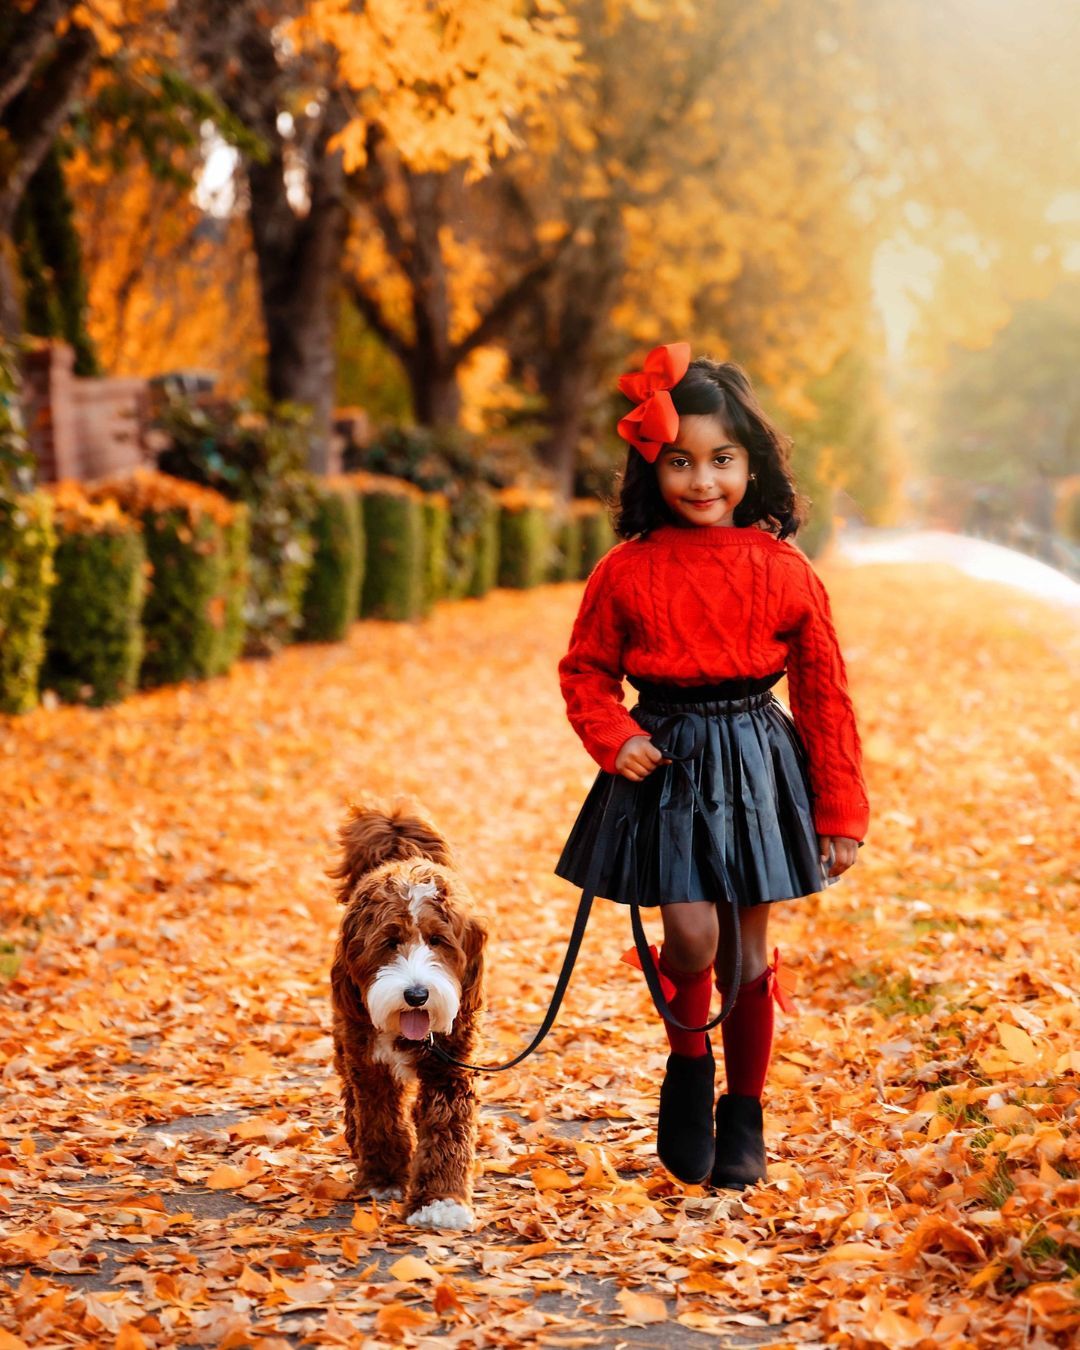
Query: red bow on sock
point(780, 983)
point(632, 959)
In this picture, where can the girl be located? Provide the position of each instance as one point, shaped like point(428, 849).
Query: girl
point(702, 606)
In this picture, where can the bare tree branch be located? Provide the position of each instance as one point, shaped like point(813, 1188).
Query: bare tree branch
point(33, 34)
point(36, 115)
point(372, 311)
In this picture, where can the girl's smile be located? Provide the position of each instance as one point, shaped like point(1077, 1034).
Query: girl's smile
point(704, 475)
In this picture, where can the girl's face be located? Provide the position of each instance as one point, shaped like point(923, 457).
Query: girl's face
point(704, 475)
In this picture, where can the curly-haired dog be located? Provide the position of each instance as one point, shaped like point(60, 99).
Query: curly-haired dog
point(409, 961)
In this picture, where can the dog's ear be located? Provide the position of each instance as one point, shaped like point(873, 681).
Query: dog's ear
point(346, 997)
point(473, 940)
point(371, 837)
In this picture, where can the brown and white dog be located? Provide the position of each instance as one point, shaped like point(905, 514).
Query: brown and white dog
point(409, 961)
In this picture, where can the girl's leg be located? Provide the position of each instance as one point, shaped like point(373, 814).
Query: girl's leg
point(684, 1126)
point(748, 1030)
point(691, 931)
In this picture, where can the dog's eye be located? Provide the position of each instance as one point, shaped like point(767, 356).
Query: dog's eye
point(435, 940)
point(393, 943)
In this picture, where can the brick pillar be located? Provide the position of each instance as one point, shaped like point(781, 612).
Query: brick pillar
point(48, 409)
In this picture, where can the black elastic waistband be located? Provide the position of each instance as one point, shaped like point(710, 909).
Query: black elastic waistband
point(743, 687)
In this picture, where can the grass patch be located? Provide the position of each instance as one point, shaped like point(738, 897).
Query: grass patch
point(967, 1113)
point(896, 996)
point(1046, 1248)
point(999, 1185)
point(10, 961)
point(934, 925)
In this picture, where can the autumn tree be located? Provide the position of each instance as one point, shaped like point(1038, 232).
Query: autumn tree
point(334, 93)
point(699, 194)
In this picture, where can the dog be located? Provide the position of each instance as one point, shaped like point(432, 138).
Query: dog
point(408, 963)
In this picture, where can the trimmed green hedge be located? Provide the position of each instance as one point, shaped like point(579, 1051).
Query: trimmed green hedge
point(484, 540)
point(597, 535)
point(237, 582)
point(186, 614)
point(393, 584)
point(436, 517)
point(566, 560)
point(27, 547)
point(94, 638)
point(257, 456)
point(332, 592)
point(525, 542)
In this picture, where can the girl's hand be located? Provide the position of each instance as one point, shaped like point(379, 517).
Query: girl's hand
point(846, 852)
point(637, 758)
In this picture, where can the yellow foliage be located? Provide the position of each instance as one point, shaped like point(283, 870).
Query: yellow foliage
point(443, 81)
point(168, 287)
point(75, 513)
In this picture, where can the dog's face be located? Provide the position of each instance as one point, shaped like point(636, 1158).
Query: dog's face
point(411, 950)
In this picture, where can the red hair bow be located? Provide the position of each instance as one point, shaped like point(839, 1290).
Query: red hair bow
point(654, 422)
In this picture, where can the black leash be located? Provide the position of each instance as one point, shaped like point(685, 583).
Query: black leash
point(679, 738)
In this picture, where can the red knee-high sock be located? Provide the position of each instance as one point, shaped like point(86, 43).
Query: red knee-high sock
point(748, 1036)
point(693, 992)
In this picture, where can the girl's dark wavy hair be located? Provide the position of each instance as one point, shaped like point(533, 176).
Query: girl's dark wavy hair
point(771, 499)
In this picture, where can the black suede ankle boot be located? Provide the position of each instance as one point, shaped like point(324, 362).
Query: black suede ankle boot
point(684, 1131)
point(740, 1142)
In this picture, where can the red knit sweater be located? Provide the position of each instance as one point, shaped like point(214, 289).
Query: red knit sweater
point(697, 603)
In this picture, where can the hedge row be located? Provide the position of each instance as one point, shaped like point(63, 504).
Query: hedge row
point(147, 579)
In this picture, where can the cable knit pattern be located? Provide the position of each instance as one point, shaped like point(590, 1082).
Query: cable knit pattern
point(693, 604)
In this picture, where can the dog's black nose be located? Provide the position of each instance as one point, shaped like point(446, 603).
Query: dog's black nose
point(417, 996)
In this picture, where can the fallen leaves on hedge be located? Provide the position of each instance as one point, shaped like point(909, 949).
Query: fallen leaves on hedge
point(170, 1124)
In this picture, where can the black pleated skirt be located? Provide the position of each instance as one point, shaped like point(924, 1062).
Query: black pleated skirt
point(751, 771)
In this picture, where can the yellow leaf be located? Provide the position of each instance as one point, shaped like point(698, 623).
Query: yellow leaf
point(394, 1318)
point(366, 1221)
point(252, 1282)
point(855, 1251)
point(639, 1309)
point(893, 1328)
point(1019, 1046)
point(226, 1178)
point(551, 1179)
point(411, 1268)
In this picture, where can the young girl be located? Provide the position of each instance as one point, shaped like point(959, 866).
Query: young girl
point(703, 606)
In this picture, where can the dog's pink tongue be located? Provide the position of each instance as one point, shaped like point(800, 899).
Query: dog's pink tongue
point(414, 1024)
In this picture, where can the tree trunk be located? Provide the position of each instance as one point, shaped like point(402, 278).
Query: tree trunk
point(432, 373)
point(577, 320)
point(299, 263)
point(298, 253)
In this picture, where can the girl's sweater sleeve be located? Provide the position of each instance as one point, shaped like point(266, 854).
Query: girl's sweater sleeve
point(825, 717)
point(591, 673)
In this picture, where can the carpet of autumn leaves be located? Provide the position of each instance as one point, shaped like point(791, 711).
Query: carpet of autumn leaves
point(171, 1164)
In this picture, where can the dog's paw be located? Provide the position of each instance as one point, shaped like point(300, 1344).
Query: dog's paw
point(379, 1192)
point(442, 1214)
point(384, 1192)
